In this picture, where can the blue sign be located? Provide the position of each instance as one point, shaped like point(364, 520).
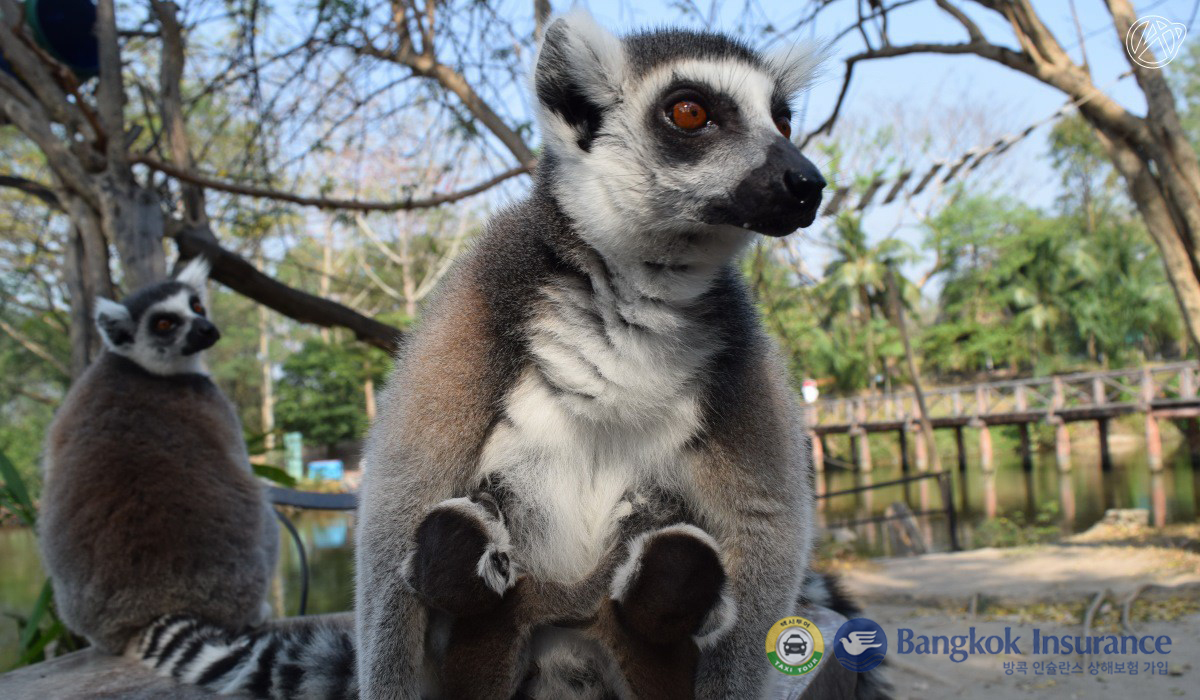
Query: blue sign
point(330, 469)
point(860, 645)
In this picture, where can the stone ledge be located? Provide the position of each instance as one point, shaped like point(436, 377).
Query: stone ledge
point(90, 675)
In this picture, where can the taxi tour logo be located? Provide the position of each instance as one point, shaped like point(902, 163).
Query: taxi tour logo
point(795, 646)
point(1153, 42)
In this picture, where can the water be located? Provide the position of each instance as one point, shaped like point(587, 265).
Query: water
point(1024, 498)
point(328, 536)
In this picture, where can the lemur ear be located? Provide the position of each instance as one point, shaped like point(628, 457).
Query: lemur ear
point(114, 323)
point(797, 66)
point(195, 274)
point(579, 73)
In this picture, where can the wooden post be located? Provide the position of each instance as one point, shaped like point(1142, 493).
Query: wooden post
point(964, 498)
point(987, 466)
point(1066, 496)
point(1158, 499)
point(1026, 450)
point(1105, 455)
point(985, 448)
point(1153, 438)
point(1062, 438)
point(818, 457)
point(902, 435)
point(1191, 433)
point(864, 451)
point(922, 456)
point(1062, 446)
point(864, 445)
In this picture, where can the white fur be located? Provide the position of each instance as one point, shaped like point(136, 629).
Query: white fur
point(608, 408)
point(634, 209)
point(109, 312)
point(720, 620)
point(594, 59)
point(195, 275)
point(629, 568)
point(154, 359)
point(498, 543)
point(798, 65)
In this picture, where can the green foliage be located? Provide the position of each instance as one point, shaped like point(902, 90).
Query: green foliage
point(274, 474)
point(42, 626)
point(14, 495)
point(321, 391)
point(1041, 291)
point(1015, 530)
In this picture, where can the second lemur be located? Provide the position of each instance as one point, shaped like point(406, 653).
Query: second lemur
point(149, 506)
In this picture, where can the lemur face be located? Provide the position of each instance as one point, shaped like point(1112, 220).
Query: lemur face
point(674, 144)
point(163, 327)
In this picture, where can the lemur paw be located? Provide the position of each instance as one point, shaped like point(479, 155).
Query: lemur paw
point(461, 564)
point(672, 586)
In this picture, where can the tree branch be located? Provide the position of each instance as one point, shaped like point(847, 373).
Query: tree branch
point(326, 202)
point(427, 66)
point(34, 348)
point(973, 31)
point(241, 276)
point(32, 188)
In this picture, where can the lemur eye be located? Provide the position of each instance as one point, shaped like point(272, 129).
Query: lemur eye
point(785, 126)
point(198, 307)
point(688, 115)
point(163, 324)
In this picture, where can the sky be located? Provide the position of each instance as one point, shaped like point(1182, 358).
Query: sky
point(938, 106)
point(1006, 101)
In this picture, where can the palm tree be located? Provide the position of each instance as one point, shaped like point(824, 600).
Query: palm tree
point(855, 284)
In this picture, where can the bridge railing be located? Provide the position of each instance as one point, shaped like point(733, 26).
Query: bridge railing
point(1038, 395)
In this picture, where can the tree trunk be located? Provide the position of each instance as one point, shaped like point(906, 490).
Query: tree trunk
point(268, 381)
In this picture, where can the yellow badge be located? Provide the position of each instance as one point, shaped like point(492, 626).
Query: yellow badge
point(795, 646)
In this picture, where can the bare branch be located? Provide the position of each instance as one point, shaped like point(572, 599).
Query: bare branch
point(32, 188)
point(34, 348)
point(973, 31)
point(241, 276)
point(110, 95)
point(427, 66)
point(170, 81)
point(327, 202)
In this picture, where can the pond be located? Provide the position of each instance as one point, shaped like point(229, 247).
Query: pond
point(1021, 497)
point(328, 537)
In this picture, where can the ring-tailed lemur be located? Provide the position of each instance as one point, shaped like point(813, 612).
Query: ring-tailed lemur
point(598, 346)
point(154, 530)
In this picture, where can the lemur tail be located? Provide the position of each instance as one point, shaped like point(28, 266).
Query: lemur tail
point(826, 590)
point(310, 658)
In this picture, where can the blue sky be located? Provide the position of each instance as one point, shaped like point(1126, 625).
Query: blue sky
point(1010, 100)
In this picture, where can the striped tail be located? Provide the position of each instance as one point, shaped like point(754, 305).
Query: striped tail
point(309, 658)
point(825, 590)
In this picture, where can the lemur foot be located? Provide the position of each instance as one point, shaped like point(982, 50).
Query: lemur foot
point(672, 586)
point(461, 564)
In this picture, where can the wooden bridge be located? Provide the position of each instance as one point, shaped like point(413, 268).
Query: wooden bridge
point(1167, 391)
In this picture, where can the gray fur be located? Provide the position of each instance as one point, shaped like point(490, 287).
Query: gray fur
point(149, 506)
point(598, 341)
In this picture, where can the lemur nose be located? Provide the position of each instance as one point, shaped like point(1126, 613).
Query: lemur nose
point(804, 186)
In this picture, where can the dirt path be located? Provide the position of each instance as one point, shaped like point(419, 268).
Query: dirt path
point(1045, 587)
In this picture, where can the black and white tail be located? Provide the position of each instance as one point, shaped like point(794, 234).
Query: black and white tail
point(826, 590)
point(304, 659)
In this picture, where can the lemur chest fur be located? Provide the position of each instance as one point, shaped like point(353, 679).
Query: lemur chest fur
point(604, 408)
